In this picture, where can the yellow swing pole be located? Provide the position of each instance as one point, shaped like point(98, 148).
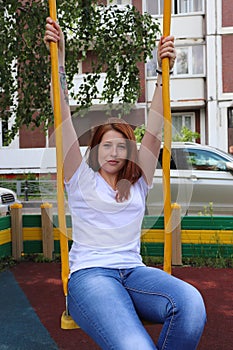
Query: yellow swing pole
point(167, 144)
point(59, 156)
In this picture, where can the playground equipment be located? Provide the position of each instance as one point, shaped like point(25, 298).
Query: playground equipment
point(66, 321)
point(167, 144)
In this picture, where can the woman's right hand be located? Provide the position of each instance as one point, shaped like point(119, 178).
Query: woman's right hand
point(53, 33)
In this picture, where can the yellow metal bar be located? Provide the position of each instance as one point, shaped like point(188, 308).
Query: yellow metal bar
point(59, 155)
point(167, 144)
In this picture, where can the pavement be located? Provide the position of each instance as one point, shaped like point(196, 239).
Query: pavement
point(32, 301)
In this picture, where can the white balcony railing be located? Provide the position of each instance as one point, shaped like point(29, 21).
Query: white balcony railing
point(78, 80)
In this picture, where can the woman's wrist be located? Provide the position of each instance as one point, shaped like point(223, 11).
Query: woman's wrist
point(159, 81)
point(158, 84)
point(62, 69)
point(63, 82)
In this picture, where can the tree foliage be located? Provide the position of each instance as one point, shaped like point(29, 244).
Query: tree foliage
point(186, 135)
point(119, 38)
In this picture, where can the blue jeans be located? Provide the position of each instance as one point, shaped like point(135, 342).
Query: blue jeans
point(108, 304)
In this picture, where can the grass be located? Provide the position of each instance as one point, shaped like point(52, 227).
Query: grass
point(6, 263)
point(218, 262)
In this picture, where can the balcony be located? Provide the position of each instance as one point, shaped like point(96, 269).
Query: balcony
point(188, 91)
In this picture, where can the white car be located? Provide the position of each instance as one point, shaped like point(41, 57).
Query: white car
point(7, 197)
point(201, 181)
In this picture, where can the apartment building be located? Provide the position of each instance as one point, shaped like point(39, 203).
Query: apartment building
point(201, 86)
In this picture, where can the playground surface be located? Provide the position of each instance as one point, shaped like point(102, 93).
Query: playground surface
point(32, 301)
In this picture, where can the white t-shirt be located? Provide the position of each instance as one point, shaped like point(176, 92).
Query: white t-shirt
point(105, 233)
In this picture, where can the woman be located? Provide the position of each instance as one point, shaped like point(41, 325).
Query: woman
point(110, 289)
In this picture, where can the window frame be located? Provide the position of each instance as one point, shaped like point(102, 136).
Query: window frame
point(115, 2)
point(190, 5)
point(190, 63)
point(175, 8)
point(2, 133)
point(184, 115)
point(207, 160)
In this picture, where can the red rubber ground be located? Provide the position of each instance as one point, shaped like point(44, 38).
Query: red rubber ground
point(42, 285)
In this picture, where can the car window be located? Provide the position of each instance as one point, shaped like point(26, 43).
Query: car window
point(177, 161)
point(179, 155)
point(202, 159)
point(160, 161)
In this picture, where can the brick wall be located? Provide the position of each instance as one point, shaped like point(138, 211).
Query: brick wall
point(227, 13)
point(138, 5)
point(29, 138)
point(227, 66)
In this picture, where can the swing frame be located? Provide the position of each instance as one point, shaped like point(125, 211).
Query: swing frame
point(66, 320)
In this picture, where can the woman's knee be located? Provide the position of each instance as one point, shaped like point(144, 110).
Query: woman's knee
point(191, 309)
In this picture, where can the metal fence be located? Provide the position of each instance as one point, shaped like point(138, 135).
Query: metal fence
point(35, 189)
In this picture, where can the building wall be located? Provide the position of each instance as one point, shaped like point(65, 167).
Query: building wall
point(227, 63)
point(227, 11)
point(226, 106)
point(208, 96)
point(29, 138)
point(227, 45)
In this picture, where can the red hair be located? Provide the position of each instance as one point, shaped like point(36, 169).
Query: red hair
point(131, 171)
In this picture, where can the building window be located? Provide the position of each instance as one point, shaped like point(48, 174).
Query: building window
point(3, 131)
point(230, 130)
point(119, 2)
point(187, 6)
point(182, 120)
point(152, 65)
point(182, 66)
point(230, 117)
point(178, 6)
point(190, 61)
point(154, 7)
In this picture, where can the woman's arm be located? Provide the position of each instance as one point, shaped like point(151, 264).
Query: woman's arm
point(151, 142)
point(71, 151)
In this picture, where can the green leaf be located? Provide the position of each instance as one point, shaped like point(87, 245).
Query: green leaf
point(118, 37)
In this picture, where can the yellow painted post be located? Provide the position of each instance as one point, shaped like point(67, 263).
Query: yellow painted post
point(176, 235)
point(17, 230)
point(47, 230)
point(59, 155)
point(167, 144)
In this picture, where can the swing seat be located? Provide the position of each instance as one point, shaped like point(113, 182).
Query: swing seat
point(67, 322)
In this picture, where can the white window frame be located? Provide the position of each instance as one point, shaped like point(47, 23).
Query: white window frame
point(160, 8)
point(176, 5)
point(190, 62)
point(183, 115)
point(119, 2)
point(190, 4)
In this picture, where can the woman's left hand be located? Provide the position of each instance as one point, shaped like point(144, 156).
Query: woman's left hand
point(166, 48)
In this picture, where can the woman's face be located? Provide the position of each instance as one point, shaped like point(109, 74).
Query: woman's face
point(112, 153)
